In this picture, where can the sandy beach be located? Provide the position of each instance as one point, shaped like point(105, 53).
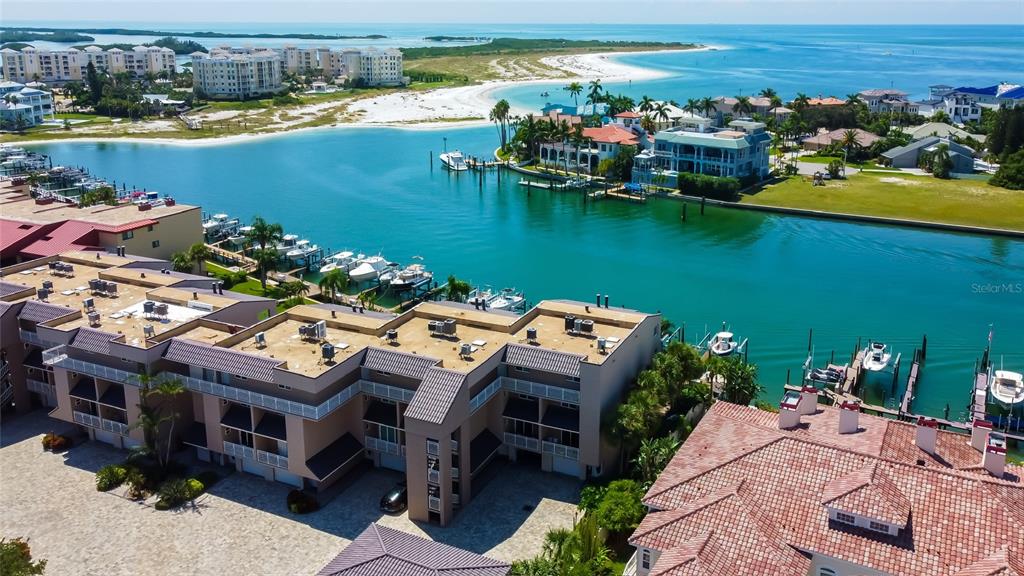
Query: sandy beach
point(429, 110)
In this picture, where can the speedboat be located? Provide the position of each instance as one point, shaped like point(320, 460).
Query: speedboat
point(454, 161)
point(213, 225)
point(368, 268)
point(1008, 387)
point(342, 260)
point(723, 344)
point(411, 276)
point(287, 243)
point(302, 249)
point(241, 236)
point(877, 357)
point(507, 299)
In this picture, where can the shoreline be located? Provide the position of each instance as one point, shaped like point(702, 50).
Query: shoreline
point(408, 110)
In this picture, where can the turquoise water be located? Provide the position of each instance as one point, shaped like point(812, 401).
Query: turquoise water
point(771, 277)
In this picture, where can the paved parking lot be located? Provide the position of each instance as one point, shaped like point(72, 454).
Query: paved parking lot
point(242, 526)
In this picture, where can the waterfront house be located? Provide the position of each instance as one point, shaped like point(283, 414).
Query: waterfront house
point(888, 100)
point(825, 139)
point(603, 143)
point(781, 114)
point(941, 130)
point(585, 110)
point(383, 551)
point(825, 101)
point(829, 491)
point(759, 105)
point(1002, 94)
point(628, 119)
point(305, 396)
point(33, 105)
point(907, 156)
point(739, 151)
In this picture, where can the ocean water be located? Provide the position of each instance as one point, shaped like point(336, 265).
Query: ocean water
point(772, 278)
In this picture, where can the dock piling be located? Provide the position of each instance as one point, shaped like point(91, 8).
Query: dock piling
point(702, 199)
point(684, 211)
point(431, 159)
point(810, 338)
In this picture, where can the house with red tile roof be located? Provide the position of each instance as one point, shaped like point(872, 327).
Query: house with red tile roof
point(829, 491)
point(603, 142)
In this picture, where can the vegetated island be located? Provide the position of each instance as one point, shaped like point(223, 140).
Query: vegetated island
point(24, 35)
point(454, 38)
point(509, 46)
point(140, 32)
point(179, 46)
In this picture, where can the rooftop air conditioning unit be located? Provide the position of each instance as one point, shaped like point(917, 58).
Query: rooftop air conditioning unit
point(531, 334)
point(261, 339)
point(602, 345)
point(148, 331)
point(327, 351)
point(320, 329)
point(392, 335)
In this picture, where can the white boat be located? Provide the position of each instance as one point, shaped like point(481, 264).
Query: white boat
point(302, 249)
point(368, 268)
point(1008, 387)
point(507, 299)
point(877, 357)
point(454, 161)
point(344, 261)
point(723, 344)
point(411, 276)
point(213, 225)
point(287, 243)
point(241, 236)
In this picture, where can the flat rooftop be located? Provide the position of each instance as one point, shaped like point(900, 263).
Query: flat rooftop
point(20, 206)
point(486, 332)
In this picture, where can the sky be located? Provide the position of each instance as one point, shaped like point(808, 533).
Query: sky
point(96, 12)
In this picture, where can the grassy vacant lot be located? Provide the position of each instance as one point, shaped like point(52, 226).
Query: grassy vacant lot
point(827, 159)
point(967, 202)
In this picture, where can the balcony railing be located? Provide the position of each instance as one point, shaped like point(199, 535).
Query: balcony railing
point(239, 450)
point(456, 500)
point(384, 446)
point(58, 356)
point(114, 426)
point(562, 450)
point(29, 337)
point(271, 459)
point(386, 391)
point(434, 503)
point(38, 386)
point(7, 394)
point(434, 476)
point(524, 442)
point(433, 448)
point(484, 395)
point(543, 390)
point(455, 473)
point(455, 446)
point(630, 569)
point(86, 419)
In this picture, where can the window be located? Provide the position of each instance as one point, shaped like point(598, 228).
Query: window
point(156, 243)
point(573, 379)
point(825, 571)
point(645, 559)
point(879, 527)
point(847, 518)
point(284, 387)
point(150, 228)
point(521, 369)
point(127, 235)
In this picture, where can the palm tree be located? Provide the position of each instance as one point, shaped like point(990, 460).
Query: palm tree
point(264, 234)
point(153, 417)
point(296, 291)
point(266, 259)
point(564, 132)
point(499, 115)
point(457, 290)
point(181, 261)
point(707, 104)
point(801, 102)
point(333, 282)
point(594, 95)
point(646, 104)
point(652, 457)
point(742, 105)
point(661, 111)
point(578, 141)
point(692, 106)
point(647, 123)
point(199, 253)
point(575, 89)
point(168, 389)
point(768, 93)
point(849, 142)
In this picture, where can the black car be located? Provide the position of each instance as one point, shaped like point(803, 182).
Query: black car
point(396, 500)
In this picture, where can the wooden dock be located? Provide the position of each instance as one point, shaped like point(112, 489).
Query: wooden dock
point(849, 385)
point(240, 260)
point(541, 185)
point(908, 395)
point(619, 193)
point(477, 164)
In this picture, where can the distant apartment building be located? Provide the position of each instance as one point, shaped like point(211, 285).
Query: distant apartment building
point(70, 65)
point(236, 73)
point(33, 106)
point(888, 100)
point(380, 67)
point(305, 396)
point(738, 151)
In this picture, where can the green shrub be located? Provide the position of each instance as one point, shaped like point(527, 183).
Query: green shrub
point(162, 505)
point(621, 509)
point(110, 476)
point(715, 187)
point(56, 442)
point(301, 503)
point(137, 489)
point(591, 496)
point(194, 488)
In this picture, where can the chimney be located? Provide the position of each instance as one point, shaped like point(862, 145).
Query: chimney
point(994, 459)
point(849, 417)
point(927, 432)
point(979, 433)
point(809, 400)
point(789, 410)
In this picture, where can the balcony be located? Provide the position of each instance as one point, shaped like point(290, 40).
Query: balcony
point(57, 356)
point(434, 503)
point(384, 446)
point(386, 391)
point(6, 395)
point(239, 450)
point(630, 569)
point(523, 442)
point(484, 395)
point(86, 419)
point(114, 426)
point(434, 476)
point(433, 448)
point(456, 500)
point(543, 390)
point(29, 337)
point(455, 446)
point(270, 458)
point(561, 450)
point(455, 473)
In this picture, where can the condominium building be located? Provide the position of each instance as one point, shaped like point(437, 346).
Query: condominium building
point(304, 396)
point(828, 491)
point(738, 151)
point(35, 105)
point(70, 65)
point(237, 74)
point(380, 67)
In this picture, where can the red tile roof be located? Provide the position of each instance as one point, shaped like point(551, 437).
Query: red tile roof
point(611, 134)
point(15, 235)
point(71, 235)
point(759, 491)
point(627, 114)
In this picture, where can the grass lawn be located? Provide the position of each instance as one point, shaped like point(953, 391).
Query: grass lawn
point(827, 159)
point(968, 202)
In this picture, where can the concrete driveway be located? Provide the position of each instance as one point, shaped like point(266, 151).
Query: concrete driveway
point(242, 526)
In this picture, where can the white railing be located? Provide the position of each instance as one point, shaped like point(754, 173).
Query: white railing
point(383, 445)
point(433, 448)
point(271, 459)
point(29, 337)
point(455, 473)
point(543, 390)
point(518, 441)
point(385, 391)
point(44, 388)
point(455, 445)
point(7, 394)
point(238, 450)
point(484, 395)
point(115, 427)
point(434, 503)
point(630, 569)
point(562, 450)
point(58, 356)
point(86, 419)
point(434, 476)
